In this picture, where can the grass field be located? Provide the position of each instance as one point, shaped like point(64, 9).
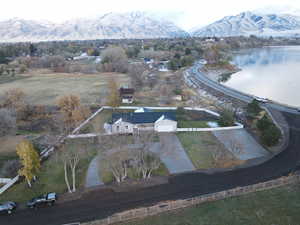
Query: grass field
point(51, 177)
point(8, 148)
point(46, 88)
point(278, 206)
point(201, 145)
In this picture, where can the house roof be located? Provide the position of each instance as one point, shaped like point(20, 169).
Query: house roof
point(126, 91)
point(143, 117)
point(142, 110)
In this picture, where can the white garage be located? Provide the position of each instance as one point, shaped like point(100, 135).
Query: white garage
point(163, 124)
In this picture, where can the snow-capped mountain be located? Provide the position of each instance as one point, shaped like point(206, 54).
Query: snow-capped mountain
point(248, 23)
point(108, 26)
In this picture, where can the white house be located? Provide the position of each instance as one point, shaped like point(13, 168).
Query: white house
point(142, 121)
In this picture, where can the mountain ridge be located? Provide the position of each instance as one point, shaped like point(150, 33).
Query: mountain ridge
point(136, 25)
point(139, 25)
point(249, 23)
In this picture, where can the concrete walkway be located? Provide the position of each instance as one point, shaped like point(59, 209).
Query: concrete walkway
point(172, 154)
point(93, 176)
point(242, 140)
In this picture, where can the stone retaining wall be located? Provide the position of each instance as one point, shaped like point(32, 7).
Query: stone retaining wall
point(178, 204)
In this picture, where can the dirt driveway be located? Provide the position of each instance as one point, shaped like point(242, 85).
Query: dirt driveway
point(172, 154)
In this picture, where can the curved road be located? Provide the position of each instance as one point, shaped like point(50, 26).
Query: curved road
point(196, 76)
point(99, 204)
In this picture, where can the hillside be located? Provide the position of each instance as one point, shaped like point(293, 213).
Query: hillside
point(133, 25)
point(248, 23)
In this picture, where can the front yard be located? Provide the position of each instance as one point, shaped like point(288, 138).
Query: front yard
point(51, 176)
point(205, 151)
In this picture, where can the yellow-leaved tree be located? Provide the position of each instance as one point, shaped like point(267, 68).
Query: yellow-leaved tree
point(30, 160)
point(113, 98)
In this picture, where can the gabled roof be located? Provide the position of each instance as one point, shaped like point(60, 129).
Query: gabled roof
point(126, 91)
point(144, 117)
point(142, 110)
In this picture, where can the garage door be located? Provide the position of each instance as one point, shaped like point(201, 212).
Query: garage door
point(165, 128)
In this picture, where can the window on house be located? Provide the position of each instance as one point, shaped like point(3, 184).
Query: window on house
point(118, 128)
point(126, 127)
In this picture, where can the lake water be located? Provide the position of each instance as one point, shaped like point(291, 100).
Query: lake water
point(270, 72)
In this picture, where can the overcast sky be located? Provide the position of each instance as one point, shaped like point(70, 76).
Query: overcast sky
point(187, 13)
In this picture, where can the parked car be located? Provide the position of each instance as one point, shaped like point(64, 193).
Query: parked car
point(46, 199)
point(7, 207)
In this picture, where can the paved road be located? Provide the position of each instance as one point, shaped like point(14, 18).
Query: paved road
point(197, 76)
point(172, 154)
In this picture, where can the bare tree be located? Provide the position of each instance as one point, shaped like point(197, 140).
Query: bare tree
point(114, 59)
point(144, 160)
point(71, 153)
point(136, 71)
point(15, 99)
point(119, 163)
point(117, 153)
point(7, 122)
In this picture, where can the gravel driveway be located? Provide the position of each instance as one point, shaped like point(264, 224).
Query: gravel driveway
point(172, 154)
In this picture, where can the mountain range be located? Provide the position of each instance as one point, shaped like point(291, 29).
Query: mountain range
point(139, 25)
point(109, 26)
point(249, 23)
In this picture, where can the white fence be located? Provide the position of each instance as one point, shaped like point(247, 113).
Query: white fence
point(9, 184)
point(5, 180)
point(209, 129)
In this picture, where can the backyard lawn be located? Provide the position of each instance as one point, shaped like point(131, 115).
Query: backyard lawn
point(51, 176)
point(200, 147)
point(192, 124)
point(278, 206)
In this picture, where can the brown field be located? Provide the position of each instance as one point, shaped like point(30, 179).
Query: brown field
point(44, 87)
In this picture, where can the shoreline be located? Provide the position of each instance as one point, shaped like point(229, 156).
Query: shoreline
point(219, 72)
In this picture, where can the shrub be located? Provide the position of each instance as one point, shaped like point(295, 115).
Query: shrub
point(271, 136)
point(253, 108)
point(264, 123)
point(226, 119)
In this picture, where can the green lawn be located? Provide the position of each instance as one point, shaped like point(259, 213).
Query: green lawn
point(278, 206)
point(51, 177)
point(192, 124)
point(200, 147)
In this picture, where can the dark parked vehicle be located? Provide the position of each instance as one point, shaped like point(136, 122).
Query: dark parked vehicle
point(46, 199)
point(7, 207)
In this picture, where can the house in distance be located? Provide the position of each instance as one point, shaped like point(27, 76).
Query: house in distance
point(126, 95)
